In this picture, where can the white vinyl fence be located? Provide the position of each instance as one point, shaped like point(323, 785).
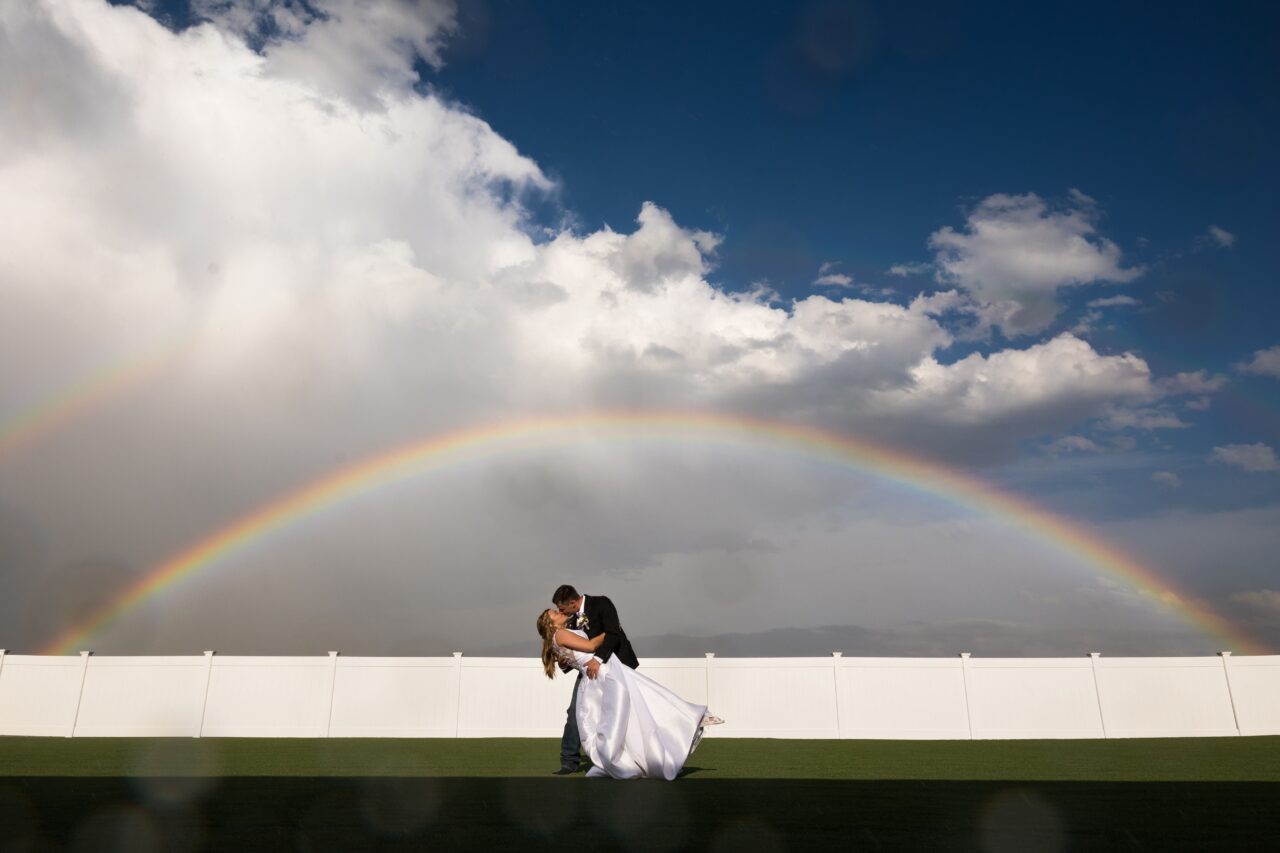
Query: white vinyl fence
point(835, 697)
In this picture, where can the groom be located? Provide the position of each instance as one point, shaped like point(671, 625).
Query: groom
point(596, 615)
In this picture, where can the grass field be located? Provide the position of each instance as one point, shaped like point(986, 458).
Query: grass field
point(737, 795)
point(1235, 759)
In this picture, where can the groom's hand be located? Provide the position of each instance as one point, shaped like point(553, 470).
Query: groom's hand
point(593, 668)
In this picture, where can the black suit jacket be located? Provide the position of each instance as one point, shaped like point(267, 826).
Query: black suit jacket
point(602, 618)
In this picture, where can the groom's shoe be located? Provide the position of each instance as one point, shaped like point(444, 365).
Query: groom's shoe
point(564, 771)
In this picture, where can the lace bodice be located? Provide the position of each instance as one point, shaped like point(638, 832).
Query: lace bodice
point(568, 657)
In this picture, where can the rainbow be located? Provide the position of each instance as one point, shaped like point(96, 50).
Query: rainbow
point(90, 392)
point(435, 452)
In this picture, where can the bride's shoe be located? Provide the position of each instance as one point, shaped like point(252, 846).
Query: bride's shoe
point(707, 720)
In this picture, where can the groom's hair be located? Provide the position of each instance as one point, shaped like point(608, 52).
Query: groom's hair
point(562, 594)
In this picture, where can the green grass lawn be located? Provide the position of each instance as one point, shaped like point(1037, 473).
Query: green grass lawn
point(1165, 759)
point(241, 795)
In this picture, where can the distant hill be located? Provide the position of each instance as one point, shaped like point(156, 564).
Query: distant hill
point(982, 638)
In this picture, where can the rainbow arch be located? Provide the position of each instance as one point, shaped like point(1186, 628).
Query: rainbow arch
point(84, 395)
point(438, 451)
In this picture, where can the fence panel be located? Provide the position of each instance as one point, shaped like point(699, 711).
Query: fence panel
point(902, 698)
point(1255, 689)
point(511, 697)
point(773, 697)
point(142, 697)
point(1033, 698)
point(686, 677)
point(268, 697)
point(39, 694)
point(1164, 697)
point(395, 697)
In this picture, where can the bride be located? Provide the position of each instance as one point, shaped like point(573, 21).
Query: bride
point(631, 726)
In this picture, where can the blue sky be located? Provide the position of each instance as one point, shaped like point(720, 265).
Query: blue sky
point(718, 113)
point(847, 133)
point(1038, 244)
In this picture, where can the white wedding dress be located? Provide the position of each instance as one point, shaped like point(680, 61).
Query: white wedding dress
point(631, 726)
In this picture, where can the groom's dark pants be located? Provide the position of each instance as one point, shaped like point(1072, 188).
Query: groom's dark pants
point(571, 741)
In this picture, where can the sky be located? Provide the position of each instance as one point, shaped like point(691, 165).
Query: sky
point(252, 250)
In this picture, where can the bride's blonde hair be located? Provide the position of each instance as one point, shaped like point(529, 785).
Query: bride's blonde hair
point(547, 631)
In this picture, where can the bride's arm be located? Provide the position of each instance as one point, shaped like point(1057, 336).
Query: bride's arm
point(570, 640)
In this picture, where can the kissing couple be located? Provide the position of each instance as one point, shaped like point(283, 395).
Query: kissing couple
point(629, 725)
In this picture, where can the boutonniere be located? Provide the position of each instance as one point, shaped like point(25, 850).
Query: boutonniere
point(583, 622)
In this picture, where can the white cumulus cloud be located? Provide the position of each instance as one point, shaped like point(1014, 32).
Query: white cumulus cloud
point(1114, 302)
point(354, 49)
point(904, 270)
point(1265, 362)
point(1191, 382)
point(1074, 444)
point(1143, 418)
point(827, 276)
point(1062, 372)
point(1015, 253)
point(1249, 457)
point(1222, 237)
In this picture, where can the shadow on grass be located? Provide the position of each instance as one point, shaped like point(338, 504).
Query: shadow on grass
point(398, 813)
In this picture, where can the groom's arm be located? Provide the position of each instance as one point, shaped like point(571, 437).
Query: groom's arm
point(609, 625)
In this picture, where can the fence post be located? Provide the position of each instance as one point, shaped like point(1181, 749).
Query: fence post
point(964, 673)
point(835, 686)
point(204, 702)
point(457, 689)
point(707, 658)
point(84, 668)
point(1226, 670)
point(333, 681)
point(1097, 690)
